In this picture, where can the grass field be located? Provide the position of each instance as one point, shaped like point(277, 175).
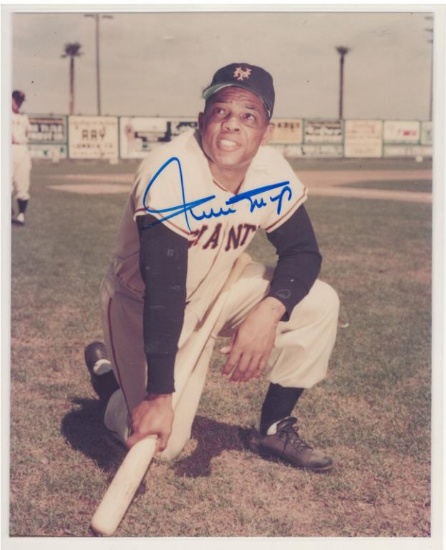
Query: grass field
point(372, 414)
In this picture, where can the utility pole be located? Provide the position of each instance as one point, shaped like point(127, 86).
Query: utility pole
point(342, 51)
point(97, 17)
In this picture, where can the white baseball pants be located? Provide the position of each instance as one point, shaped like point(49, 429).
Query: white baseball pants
point(21, 172)
point(299, 359)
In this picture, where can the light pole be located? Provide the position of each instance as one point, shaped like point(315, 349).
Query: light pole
point(342, 51)
point(431, 41)
point(97, 17)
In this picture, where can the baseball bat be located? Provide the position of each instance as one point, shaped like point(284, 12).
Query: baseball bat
point(127, 479)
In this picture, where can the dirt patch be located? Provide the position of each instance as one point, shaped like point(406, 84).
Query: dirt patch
point(91, 189)
point(331, 184)
point(370, 194)
point(342, 177)
point(327, 183)
point(100, 178)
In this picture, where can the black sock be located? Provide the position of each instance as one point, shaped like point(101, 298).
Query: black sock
point(22, 205)
point(279, 403)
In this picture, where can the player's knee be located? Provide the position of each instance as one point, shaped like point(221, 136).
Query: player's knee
point(22, 195)
point(325, 301)
point(331, 299)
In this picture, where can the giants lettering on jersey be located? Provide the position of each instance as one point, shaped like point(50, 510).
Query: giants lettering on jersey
point(210, 238)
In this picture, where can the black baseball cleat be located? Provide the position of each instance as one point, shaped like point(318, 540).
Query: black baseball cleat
point(101, 373)
point(287, 445)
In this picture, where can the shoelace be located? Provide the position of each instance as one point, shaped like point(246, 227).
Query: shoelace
point(290, 433)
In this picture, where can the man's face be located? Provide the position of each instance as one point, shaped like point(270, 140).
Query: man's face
point(233, 127)
point(15, 106)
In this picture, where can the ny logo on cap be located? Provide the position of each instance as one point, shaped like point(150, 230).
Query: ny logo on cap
point(241, 74)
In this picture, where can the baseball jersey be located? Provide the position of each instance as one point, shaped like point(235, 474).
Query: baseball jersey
point(174, 184)
point(20, 128)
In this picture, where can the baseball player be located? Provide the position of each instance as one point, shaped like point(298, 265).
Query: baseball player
point(196, 204)
point(21, 160)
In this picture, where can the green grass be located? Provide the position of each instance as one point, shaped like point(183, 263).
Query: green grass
point(372, 414)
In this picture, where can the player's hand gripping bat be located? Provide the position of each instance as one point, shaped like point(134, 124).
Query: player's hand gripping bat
point(127, 479)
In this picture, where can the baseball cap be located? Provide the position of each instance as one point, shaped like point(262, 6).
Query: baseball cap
point(247, 76)
point(18, 96)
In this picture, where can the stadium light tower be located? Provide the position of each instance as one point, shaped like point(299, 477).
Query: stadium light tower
point(342, 51)
point(97, 18)
point(72, 50)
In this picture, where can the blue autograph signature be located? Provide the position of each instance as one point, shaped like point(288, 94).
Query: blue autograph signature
point(254, 197)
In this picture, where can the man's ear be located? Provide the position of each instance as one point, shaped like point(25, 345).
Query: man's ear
point(269, 131)
point(200, 122)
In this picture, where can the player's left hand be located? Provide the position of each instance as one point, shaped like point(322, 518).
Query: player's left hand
point(251, 345)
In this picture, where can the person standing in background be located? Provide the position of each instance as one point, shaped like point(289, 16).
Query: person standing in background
point(21, 159)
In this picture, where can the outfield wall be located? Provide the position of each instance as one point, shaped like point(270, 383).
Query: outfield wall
point(113, 138)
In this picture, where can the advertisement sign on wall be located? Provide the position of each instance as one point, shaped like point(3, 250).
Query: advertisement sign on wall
point(94, 137)
point(407, 151)
point(399, 131)
point(323, 131)
point(48, 129)
point(51, 152)
point(138, 135)
point(287, 130)
point(363, 138)
point(426, 133)
point(179, 125)
point(56, 137)
point(310, 151)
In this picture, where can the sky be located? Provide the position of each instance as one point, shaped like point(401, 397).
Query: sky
point(157, 64)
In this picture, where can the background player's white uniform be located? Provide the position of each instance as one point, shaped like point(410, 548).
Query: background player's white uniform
point(21, 159)
point(218, 231)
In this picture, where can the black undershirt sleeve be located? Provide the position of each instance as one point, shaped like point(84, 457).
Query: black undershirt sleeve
point(163, 266)
point(299, 260)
